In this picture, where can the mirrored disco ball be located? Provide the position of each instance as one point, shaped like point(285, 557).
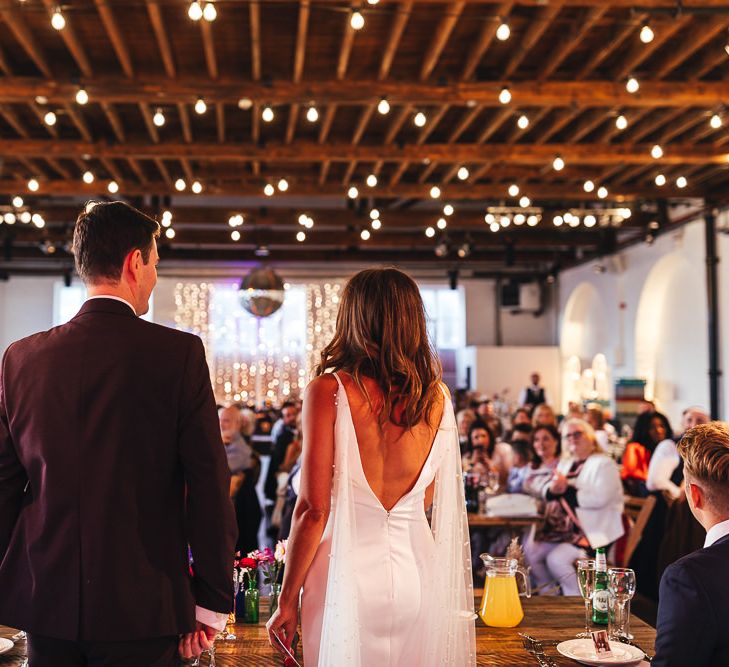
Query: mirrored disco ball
point(261, 292)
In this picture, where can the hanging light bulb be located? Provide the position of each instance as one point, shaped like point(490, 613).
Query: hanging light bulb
point(383, 107)
point(505, 220)
point(82, 97)
point(420, 119)
point(621, 122)
point(180, 184)
point(196, 187)
point(660, 180)
point(632, 85)
point(25, 217)
point(38, 220)
point(282, 185)
point(646, 34)
point(513, 190)
point(558, 164)
point(17, 201)
point(57, 20)
point(166, 218)
point(159, 118)
point(435, 192)
point(376, 224)
point(267, 114)
point(374, 214)
point(505, 95)
point(489, 218)
point(532, 220)
point(353, 192)
point(170, 233)
point(448, 209)
point(681, 182)
point(50, 119)
point(301, 237)
point(503, 32)
point(235, 235)
point(200, 106)
point(715, 121)
point(523, 122)
point(365, 234)
point(557, 220)
point(9, 218)
point(312, 115)
point(309, 222)
point(494, 226)
point(525, 202)
point(210, 13)
point(195, 11)
point(113, 187)
point(88, 177)
point(33, 185)
point(519, 219)
point(590, 220)
point(656, 152)
point(268, 190)
point(357, 20)
point(463, 174)
point(442, 223)
point(602, 192)
point(588, 186)
point(429, 232)
point(372, 2)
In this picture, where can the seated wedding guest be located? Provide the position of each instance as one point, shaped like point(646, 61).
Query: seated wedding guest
point(521, 456)
point(650, 429)
point(595, 418)
point(694, 592)
point(521, 416)
point(464, 419)
point(486, 413)
point(245, 467)
point(521, 432)
point(547, 448)
point(543, 414)
point(534, 394)
point(286, 436)
point(487, 454)
point(583, 511)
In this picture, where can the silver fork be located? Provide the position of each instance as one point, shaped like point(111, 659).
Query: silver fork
point(535, 649)
point(541, 642)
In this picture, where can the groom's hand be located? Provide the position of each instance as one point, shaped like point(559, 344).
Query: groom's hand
point(194, 643)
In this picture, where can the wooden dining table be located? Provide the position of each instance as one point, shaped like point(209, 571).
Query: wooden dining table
point(545, 618)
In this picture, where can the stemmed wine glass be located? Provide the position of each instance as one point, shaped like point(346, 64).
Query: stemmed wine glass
point(621, 584)
point(586, 580)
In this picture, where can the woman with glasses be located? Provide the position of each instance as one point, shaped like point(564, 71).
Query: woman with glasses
point(584, 503)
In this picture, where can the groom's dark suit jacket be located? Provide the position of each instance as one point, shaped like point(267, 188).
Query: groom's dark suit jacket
point(693, 610)
point(111, 461)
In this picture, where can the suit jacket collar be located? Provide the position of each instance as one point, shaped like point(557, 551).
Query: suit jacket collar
point(105, 306)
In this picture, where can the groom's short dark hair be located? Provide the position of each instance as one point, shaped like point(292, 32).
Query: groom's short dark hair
point(105, 233)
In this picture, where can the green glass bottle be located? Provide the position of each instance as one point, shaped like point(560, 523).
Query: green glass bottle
point(600, 595)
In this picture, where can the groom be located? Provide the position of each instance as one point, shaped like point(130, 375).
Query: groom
point(111, 463)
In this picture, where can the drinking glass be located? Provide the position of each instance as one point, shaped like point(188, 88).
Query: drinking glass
point(621, 585)
point(586, 580)
point(492, 482)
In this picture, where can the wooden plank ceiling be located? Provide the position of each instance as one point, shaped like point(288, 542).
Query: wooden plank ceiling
point(425, 106)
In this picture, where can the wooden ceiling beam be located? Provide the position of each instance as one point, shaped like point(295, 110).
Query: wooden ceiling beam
point(470, 191)
point(40, 115)
point(33, 169)
point(349, 173)
point(397, 124)
point(138, 171)
point(112, 169)
point(345, 49)
point(443, 32)
point(113, 117)
point(704, 30)
point(498, 119)
point(254, 15)
point(149, 123)
point(402, 14)
point(220, 122)
point(72, 42)
point(610, 46)
point(301, 32)
point(160, 32)
point(588, 124)
point(611, 130)
point(187, 170)
point(11, 118)
point(116, 37)
point(638, 132)
point(563, 118)
point(4, 63)
point(21, 32)
point(78, 120)
point(59, 168)
point(398, 173)
point(291, 123)
point(361, 126)
point(537, 27)
point(534, 153)
point(482, 43)
point(162, 168)
point(211, 61)
point(677, 129)
point(578, 31)
point(358, 92)
point(185, 123)
point(666, 6)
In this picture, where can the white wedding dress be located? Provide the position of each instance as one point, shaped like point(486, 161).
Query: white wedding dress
point(387, 588)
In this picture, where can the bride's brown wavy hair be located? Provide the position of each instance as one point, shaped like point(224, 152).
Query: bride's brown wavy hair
point(381, 333)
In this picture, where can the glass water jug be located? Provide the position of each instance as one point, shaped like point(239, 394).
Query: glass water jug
point(500, 606)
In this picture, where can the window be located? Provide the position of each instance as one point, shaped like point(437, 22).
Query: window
point(446, 317)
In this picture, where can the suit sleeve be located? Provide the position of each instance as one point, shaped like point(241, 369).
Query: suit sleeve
point(12, 474)
point(210, 520)
point(686, 628)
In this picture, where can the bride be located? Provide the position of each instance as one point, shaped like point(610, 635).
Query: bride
point(381, 585)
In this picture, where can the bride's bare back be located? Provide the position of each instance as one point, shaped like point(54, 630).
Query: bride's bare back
point(392, 457)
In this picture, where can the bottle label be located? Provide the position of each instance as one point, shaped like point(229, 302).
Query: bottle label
point(600, 600)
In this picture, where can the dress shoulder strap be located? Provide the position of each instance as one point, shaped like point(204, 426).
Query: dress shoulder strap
point(338, 379)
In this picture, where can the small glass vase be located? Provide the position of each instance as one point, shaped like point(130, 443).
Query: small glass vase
point(250, 603)
point(275, 592)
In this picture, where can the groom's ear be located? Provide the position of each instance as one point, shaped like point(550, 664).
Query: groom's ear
point(133, 263)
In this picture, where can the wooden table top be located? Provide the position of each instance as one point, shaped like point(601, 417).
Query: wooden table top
point(544, 618)
point(486, 521)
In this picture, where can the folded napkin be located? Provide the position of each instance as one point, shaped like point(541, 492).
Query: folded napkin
point(511, 504)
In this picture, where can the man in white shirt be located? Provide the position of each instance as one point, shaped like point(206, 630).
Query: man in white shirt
point(534, 394)
point(694, 594)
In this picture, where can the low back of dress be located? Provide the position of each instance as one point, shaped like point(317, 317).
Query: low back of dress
point(373, 594)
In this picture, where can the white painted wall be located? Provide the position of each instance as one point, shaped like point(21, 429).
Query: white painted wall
point(648, 314)
point(26, 306)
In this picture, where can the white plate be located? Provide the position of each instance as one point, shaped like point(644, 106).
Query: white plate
point(5, 645)
point(583, 650)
